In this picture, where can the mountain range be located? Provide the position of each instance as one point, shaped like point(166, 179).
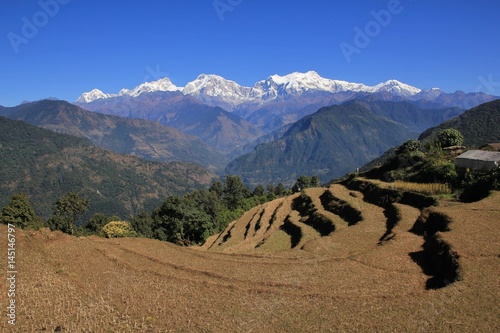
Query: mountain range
point(269, 132)
point(280, 100)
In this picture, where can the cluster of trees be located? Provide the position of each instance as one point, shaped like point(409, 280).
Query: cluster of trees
point(183, 220)
point(427, 162)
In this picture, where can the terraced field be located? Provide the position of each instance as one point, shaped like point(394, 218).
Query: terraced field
point(351, 257)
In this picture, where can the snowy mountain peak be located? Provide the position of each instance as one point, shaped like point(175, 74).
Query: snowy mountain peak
point(208, 86)
point(216, 90)
point(396, 87)
point(160, 85)
point(92, 95)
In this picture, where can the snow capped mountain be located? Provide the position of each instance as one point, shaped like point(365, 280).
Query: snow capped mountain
point(160, 85)
point(205, 87)
point(298, 83)
point(92, 95)
point(397, 88)
point(216, 90)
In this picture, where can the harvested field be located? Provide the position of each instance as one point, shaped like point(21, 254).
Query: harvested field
point(258, 276)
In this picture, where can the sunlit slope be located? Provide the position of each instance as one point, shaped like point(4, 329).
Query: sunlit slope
point(333, 259)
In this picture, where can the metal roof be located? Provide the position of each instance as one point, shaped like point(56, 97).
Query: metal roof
point(480, 155)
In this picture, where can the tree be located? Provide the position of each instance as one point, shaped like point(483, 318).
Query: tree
point(67, 210)
point(304, 182)
point(178, 221)
point(96, 222)
point(409, 146)
point(258, 191)
point(234, 191)
point(450, 137)
point(280, 190)
point(143, 224)
point(315, 182)
point(18, 212)
point(217, 188)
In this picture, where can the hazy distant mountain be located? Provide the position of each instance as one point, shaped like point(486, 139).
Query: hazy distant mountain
point(280, 100)
point(479, 125)
point(46, 165)
point(213, 125)
point(329, 143)
point(143, 138)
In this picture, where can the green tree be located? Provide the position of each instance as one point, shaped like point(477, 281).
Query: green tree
point(450, 137)
point(179, 222)
point(143, 224)
point(258, 191)
point(18, 212)
point(315, 182)
point(96, 222)
point(280, 190)
point(409, 146)
point(234, 191)
point(217, 188)
point(304, 182)
point(67, 210)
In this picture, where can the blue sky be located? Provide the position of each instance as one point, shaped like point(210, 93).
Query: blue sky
point(79, 45)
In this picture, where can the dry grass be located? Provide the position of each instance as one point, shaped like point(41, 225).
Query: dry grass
point(346, 284)
point(425, 188)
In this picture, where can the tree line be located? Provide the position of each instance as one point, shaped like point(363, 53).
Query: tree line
point(184, 220)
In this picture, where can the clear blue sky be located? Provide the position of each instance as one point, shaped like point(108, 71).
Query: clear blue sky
point(86, 44)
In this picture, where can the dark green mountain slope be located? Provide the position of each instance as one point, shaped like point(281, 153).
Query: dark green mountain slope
point(331, 142)
point(46, 165)
point(143, 138)
point(479, 125)
point(413, 117)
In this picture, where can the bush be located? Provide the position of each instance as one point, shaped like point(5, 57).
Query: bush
point(117, 229)
point(450, 137)
point(409, 146)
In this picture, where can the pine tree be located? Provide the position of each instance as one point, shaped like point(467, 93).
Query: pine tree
point(18, 212)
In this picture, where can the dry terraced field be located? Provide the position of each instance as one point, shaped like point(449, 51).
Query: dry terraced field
point(331, 259)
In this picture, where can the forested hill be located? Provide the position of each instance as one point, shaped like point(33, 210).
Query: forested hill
point(329, 143)
point(479, 125)
point(143, 138)
point(46, 165)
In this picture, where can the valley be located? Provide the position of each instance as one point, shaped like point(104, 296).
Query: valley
point(250, 166)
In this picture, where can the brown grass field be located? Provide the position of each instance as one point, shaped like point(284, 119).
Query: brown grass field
point(362, 277)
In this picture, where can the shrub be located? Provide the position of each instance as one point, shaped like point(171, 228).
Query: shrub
point(450, 137)
point(409, 146)
point(118, 229)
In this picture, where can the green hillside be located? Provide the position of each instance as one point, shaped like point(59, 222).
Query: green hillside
point(479, 125)
point(46, 165)
point(139, 137)
point(329, 143)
